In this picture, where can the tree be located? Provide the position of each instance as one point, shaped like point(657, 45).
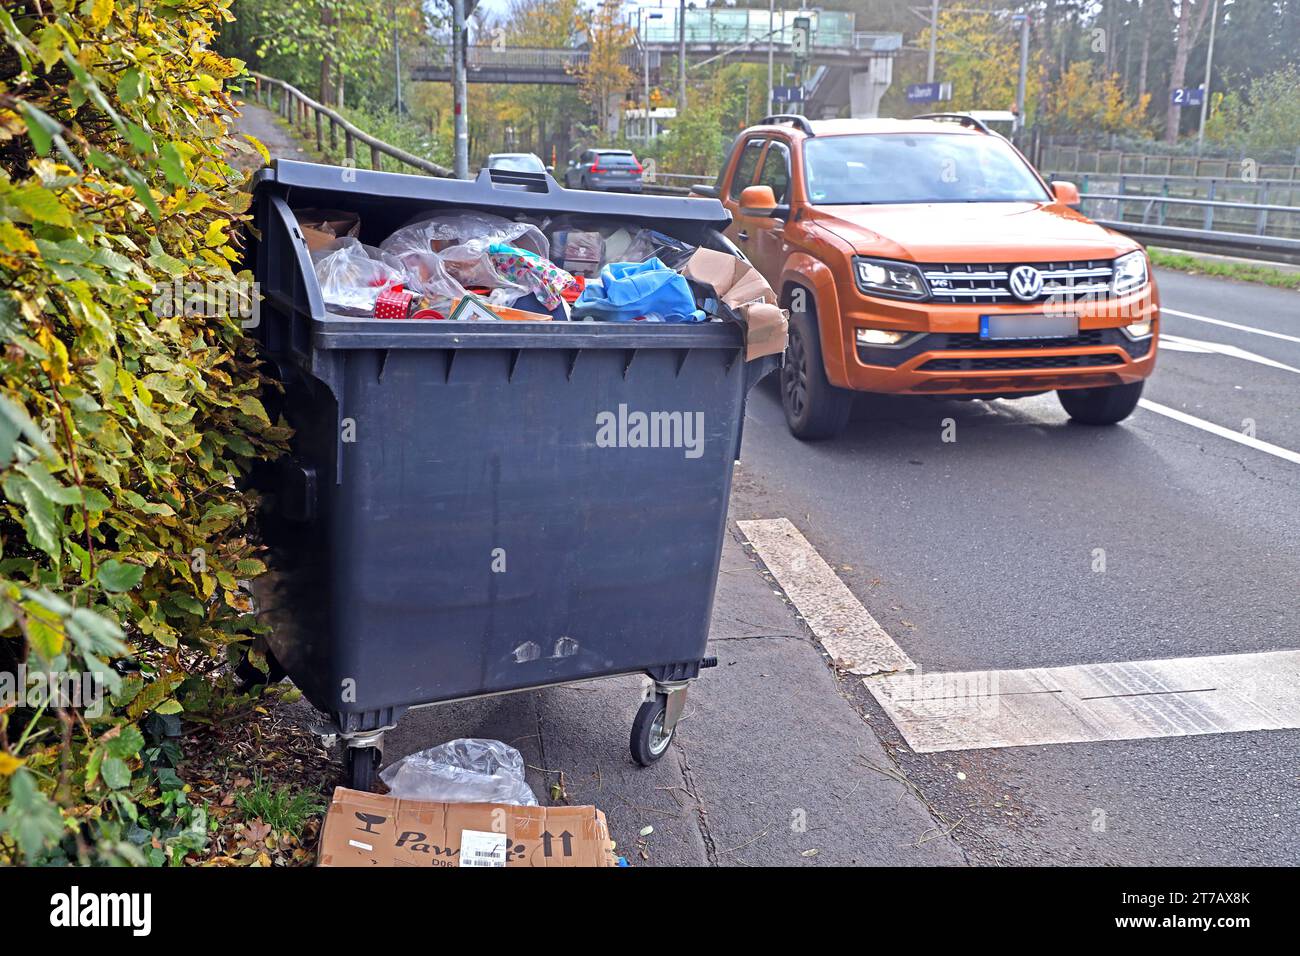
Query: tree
point(605, 75)
point(1264, 118)
point(326, 45)
point(978, 53)
point(1081, 99)
point(1188, 19)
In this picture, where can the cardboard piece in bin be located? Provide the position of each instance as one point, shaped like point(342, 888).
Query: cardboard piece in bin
point(471, 307)
point(366, 829)
point(742, 287)
point(320, 227)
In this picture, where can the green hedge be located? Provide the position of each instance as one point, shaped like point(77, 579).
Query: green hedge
point(128, 415)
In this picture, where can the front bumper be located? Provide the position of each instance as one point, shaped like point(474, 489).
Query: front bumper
point(946, 355)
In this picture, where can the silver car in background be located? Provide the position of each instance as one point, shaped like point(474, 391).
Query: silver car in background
point(606, 170)
point(517, 163)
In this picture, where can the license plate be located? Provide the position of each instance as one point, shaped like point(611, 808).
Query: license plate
point(1029, 325)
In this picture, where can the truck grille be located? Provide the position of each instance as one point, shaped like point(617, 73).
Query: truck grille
point(984, 283)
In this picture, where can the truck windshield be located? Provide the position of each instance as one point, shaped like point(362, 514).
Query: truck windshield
point(917, 167)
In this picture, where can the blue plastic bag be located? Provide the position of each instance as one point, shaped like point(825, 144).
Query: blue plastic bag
point(638, 290)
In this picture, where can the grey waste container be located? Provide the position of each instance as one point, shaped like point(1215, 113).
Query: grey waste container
point(452, 521)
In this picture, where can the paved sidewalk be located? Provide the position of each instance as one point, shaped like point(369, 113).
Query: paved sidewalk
point(770, 765)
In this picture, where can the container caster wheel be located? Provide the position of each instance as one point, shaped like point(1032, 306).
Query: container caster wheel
point(363, 768)
point(649, 738)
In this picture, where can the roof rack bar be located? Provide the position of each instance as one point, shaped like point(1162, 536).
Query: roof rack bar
point(798, 119)
point(961, 118)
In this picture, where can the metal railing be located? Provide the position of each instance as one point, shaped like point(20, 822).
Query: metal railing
point(1101, 161)
point(1203, 237)
point(297, 108)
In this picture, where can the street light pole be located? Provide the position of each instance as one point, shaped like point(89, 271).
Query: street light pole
point(459, 91)
point(645, 62)
point(681, 60)
point(1023, 81)
point(934, 40)
point(771, 42)
point(397, 68)
point(1205, 94)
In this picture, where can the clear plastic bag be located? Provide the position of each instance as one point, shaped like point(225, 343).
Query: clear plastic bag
point(351, 275)
point(468, 770)
point(478, 230)
point(427, 273)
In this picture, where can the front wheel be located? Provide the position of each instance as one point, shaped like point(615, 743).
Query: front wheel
point(362, 768)
point(649, 739)
point(814, 408)
point(1100, 406)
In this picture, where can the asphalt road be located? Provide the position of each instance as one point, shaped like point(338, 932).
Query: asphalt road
point(979, 553)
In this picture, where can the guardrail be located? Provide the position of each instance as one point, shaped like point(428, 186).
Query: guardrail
point(1207, 238)
point(296, 106)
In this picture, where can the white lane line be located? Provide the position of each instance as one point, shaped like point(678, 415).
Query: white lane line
point(1230, 325)
point(1135, 700)
point(1285, 454)
point(1178, 343)
point(845, 628)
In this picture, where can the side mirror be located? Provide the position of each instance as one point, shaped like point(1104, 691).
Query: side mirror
point(550, 170)
point(1066, 193)
point(758, 201)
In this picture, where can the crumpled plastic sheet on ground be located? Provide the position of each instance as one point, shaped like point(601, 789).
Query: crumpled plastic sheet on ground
point(469, 770)
point(351, 275)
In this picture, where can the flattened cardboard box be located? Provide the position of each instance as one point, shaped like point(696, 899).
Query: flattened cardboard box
point(366, 829)
point(743, 287)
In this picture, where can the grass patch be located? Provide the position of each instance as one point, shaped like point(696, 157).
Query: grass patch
point(1243, 271)
point(280, 808)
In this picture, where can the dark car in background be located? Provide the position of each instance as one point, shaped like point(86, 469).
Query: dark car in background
point(605, 169)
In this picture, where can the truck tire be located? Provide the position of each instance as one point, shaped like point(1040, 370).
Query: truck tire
point(814, 408)
point(1100, 406)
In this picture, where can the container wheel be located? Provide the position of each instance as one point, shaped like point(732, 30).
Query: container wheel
point(363, 768)
point(649, 739)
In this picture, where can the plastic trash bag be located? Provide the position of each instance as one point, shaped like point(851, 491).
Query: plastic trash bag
point(650, 244)
point(427, 274)
point(629, 291)
point(478, 230)
point(351, 275)
point(468, 770)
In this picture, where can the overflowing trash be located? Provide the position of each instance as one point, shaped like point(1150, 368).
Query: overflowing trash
point(468, 265)
point(468, 770)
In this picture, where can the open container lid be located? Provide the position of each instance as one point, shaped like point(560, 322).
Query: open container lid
point(371, 194)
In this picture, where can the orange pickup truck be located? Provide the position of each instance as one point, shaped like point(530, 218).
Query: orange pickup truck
point(927, 257)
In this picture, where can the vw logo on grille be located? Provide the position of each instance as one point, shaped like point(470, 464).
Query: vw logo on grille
point(1026, 283)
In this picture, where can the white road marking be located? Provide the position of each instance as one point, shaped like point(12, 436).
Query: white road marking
point(1178, 343)
point(1230, 325)
point(1093, 702)
point(1242, 439)
point(848, 632)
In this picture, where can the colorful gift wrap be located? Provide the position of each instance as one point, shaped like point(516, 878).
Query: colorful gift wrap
point(540, 276)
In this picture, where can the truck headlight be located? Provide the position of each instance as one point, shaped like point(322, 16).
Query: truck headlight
point(898, 280)
point(1130, 273)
